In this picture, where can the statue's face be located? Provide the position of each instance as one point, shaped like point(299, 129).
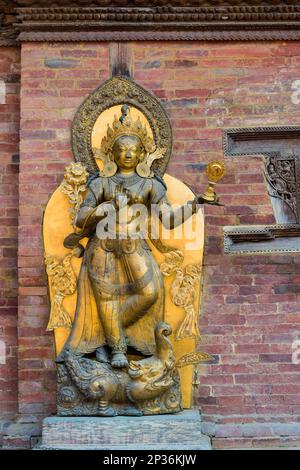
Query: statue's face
point(127, 152)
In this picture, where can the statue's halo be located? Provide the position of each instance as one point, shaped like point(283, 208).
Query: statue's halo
point(98, 110)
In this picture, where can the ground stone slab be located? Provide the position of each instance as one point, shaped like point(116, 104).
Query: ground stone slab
point(180, 431)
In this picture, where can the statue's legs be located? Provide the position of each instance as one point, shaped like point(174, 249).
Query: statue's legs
point(109, 308)
point(138, 265)
point(138, 304)
point(116, 316)
point(122, 303)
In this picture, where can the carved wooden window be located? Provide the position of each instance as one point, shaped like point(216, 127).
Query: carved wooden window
point(279, 147)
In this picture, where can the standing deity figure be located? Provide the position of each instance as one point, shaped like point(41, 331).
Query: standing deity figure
point(118, 292)
point(119, 269)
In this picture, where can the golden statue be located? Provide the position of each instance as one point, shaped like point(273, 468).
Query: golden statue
point(117, 353)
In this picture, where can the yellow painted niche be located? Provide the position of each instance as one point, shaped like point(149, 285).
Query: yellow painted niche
point(189, 239)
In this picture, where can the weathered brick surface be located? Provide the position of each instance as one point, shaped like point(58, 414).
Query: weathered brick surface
point(250, 304)
point(9, 149)
point(250, 307)
point(263, 443)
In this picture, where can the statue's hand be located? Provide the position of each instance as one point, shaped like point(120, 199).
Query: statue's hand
point(215, 202)
point(104, 208)
point(107, 206)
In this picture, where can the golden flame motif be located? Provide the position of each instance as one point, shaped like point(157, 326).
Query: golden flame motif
point(215, 171)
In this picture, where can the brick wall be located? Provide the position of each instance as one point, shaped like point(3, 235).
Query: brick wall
point(9, 149)
point(250, 309)
point(250, 313)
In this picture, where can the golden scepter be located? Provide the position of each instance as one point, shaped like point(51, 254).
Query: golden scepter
point(215, 171)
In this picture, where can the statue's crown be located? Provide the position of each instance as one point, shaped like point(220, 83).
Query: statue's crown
point(126, 126)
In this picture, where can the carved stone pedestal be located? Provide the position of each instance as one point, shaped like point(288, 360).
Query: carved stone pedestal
point(162, 432)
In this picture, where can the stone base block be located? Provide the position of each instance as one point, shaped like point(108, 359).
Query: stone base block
point(180, 431)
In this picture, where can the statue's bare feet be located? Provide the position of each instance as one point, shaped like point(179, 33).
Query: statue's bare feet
point(118, 360)
point(102, 354)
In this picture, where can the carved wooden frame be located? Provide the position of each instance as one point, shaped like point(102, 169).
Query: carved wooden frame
point(143, 20)
point(234, 134)
point(115, 91)
point(247, 238)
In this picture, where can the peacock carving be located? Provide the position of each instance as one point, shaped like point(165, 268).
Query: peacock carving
point(153, 375)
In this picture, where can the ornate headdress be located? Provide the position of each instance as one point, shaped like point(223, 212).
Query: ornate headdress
point(126, 126)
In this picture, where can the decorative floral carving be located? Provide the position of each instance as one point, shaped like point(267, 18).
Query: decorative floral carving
point(63, 282)
point(183, 290)
point(74, 186)
point(171, 263)
point(183, 295)
point(280, 172)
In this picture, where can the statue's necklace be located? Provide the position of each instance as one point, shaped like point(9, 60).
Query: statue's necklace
point(126, 180)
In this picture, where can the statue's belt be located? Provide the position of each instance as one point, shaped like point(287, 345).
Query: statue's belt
point(121, 289)
point(126, 246)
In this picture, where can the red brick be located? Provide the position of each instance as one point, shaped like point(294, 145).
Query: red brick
point(9, 137)
point(11, 442)
point(251, 348)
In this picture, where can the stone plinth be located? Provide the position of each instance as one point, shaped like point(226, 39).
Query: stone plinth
point(180, 431)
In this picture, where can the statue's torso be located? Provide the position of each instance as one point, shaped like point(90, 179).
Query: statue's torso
point(139, 189)
point(123, 261)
